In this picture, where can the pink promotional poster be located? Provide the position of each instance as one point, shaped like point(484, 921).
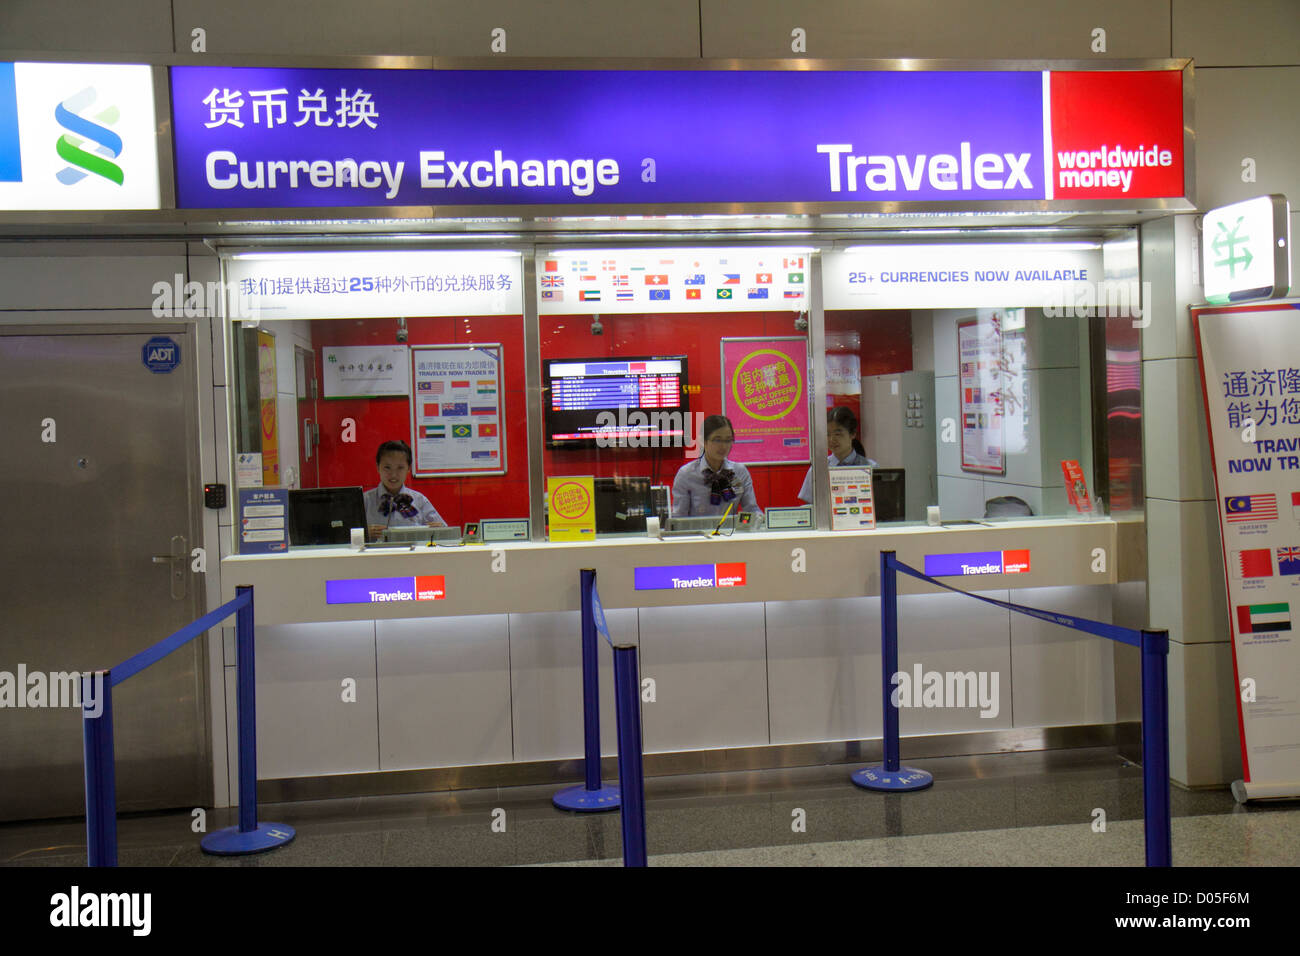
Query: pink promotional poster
point(765, 394)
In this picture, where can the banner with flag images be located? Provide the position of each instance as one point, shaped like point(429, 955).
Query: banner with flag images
point(1245, 352)
point(462, 432)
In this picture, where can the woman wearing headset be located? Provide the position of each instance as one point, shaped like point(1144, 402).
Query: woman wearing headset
point(713, 482)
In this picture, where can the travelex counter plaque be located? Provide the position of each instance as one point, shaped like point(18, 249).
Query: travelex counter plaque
point(977, 562)
point(426, 587)
point(671, 577)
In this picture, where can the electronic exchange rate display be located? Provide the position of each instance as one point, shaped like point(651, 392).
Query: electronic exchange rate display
point(615, 402)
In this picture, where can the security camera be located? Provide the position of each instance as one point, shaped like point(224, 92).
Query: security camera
point(801, 322)
point(596, 327)
point(401, 330)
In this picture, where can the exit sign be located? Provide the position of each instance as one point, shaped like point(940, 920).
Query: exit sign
point(1246, 250)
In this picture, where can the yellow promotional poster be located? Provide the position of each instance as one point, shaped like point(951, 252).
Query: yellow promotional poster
point(266, 406)
point(572, 508)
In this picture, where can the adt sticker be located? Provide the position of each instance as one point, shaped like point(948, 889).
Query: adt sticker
point(160, 354)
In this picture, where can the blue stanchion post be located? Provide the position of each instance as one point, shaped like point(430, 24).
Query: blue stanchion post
point(592, 795)
point(101, 778)
point(631, 779)
point(1155, 748)
point(249, 836)
point(891, 776)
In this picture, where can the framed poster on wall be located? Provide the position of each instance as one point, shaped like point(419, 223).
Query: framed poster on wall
point(979, 389)
point(765, 388)
point(457, 410)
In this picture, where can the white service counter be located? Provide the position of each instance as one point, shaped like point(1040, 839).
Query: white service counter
point(490, 674)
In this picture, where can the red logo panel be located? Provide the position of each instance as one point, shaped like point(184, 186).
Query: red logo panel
point(1117, 135)
point(730, 575)
point(430, 587)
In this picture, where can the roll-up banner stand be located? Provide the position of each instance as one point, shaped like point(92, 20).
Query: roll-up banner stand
point(1250, 376)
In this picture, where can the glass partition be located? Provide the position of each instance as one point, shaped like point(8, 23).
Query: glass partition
point(676, 381)
point(376, 390)
point(982, 411)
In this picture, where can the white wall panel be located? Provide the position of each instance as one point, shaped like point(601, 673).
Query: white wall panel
point(444, 692)
point(1257, 33)
point(824, 670)
point(1001, 29)
point(950, 632)
point(304, 727)
point(546, 683)
point(123, 26)
point(1062, 676)
point(710, 670)
point(1246, 113)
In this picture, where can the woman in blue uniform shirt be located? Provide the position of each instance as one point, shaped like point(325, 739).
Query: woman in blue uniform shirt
point(713, 482)
point(392, 504)
point(844, 445)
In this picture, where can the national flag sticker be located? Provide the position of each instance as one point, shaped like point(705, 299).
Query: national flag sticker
point(724, 293)
point(1262, 618)
point(1250, 508)
point(659, 295)
point(1288, 561)
point(1252, 563)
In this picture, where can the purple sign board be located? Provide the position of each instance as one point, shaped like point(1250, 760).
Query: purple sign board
point(272, 138)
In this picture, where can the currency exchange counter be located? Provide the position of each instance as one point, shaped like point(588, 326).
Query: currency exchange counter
point(384, 671)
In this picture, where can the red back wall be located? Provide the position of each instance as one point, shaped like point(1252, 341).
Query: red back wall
point(886, 346)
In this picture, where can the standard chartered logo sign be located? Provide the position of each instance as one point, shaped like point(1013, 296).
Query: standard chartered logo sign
point(78, 136)
point(83, 131)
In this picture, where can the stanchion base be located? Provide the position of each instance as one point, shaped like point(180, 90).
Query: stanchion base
point(892, 781)
point(588, 801)
point(230, 842)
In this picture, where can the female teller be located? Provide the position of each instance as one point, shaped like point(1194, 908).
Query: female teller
point(712, 483)
point(392, 504)
point(844, 445)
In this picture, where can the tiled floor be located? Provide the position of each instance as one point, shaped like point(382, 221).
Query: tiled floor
point(1003, 809)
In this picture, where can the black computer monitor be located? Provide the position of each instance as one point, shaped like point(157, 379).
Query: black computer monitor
point(325, 515)
point(889, 492)
point(622, 504)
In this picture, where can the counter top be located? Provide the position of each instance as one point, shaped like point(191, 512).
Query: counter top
point(526, 576)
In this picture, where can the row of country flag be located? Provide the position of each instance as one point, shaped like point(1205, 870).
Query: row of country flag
point(665, 295)
point(458, 431)
point(1258, 562)
point(615, 265)
point(1257, 507)
point(549, 281)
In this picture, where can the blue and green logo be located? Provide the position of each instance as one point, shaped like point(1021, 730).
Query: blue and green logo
point(11, 161)
point(84, 131)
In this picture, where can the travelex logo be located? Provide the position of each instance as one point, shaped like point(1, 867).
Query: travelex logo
point(674, 576)
point(427, 587)
point(977, 562)
point(81, 130)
